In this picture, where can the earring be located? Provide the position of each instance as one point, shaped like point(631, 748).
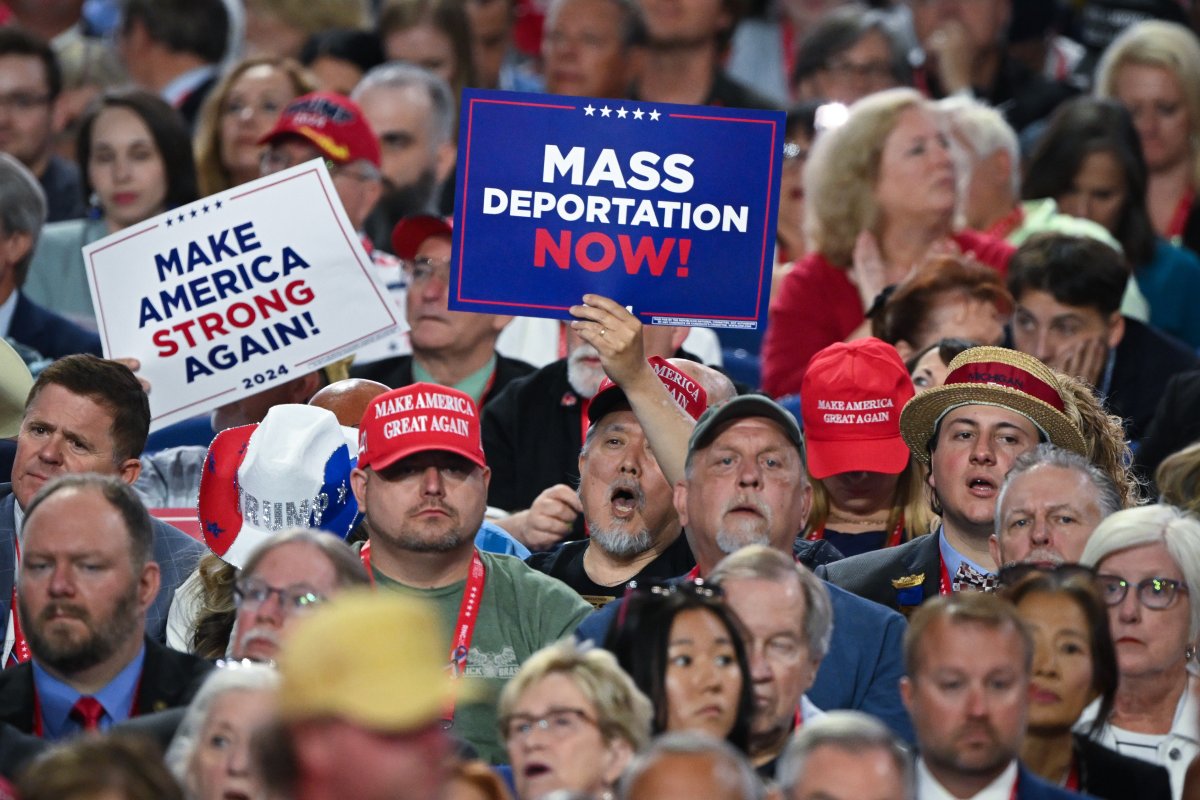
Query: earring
point(1189, 652)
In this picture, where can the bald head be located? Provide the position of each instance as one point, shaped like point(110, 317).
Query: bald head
point(348, 399)
point(716, 384)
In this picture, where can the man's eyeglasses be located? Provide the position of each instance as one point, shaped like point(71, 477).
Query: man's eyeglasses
point(557, 721)
point(1155, 593)
point(252, 593)
point(422, 268)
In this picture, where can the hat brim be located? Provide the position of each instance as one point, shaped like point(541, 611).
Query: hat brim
point(827, 458)
point(919, 419)
point(714, 420)
point(411, 232)
point(383, 462)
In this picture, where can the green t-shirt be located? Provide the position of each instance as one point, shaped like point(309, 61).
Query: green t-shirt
point(521, 612)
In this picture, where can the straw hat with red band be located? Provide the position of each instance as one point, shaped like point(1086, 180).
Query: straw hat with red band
point(334, 124)
point(993, 376)
point(411, 232)
point(688, 393)
point(850, 401)
point(419, 418)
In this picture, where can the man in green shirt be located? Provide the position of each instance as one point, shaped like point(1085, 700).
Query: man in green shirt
point(422, 483)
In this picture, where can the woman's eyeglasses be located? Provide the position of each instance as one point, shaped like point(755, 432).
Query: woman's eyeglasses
point(557, 721)
point(1154, 593)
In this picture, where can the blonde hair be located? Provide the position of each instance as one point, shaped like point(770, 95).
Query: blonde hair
point(211, 174)
point(1178, 479)
point(910, 499)
point(840, 175)
point(1168, 46)
point(1104, 436)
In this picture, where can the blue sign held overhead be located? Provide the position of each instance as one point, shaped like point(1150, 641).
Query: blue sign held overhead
point(669, 209)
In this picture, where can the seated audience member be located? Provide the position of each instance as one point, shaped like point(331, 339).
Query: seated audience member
point(866, 228)
point(1175, 424)
point(279, 28)
point(22, 212)
point(945, 297)
point(339, 58)
point(347, 399)
point(99, 404)
point(449, 348)
point(592, 48)
point(210, 755)
point(990, 179)
point(1178, 479)
point(174, 48)
point(347, 725)
point(124, 767)
point(964, 50)
point(1146, 560)
point(122, 126)
point(572, 720)
point(238, 113)
point(1049, 504)
point(1068, 294)
point(1074, 664)
point(683, 646)
point(799, 131)
point(431, 553)
point(960, 649)
point(846, 755)
point(33, 77)
point(626, 501)
point(1104, 438)
point(930, 365)
point(677, 766)
point(868, 491)
point(1089, 160)
point(847, 54)
point(995, 405)
point(432, 34)
point(472, 779)
point(788, 621)
point(92, 664)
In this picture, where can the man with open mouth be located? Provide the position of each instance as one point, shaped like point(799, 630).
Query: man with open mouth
point(995, 405)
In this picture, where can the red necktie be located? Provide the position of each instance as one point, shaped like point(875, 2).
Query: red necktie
point(87, 711)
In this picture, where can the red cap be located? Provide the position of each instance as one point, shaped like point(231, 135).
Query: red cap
point(689, 394)
point(416, 419)
point(333, 123)
point(850, 401)
point(411, 232)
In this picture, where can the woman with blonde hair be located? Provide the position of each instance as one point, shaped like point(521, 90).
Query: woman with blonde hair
point(1153, 69)
point(1104, 435)
point(239, 111)
point(881, 195)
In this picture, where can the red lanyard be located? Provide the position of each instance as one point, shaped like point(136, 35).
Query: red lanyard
point(468, 615)
point(944, 587)
point(893, 539)
point(1179, 218)
point(1006, 224)
point(1072, 783)
point(20, 648)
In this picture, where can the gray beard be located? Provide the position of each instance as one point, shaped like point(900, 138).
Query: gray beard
point(731, 541)
point(585, 380)
point(621, 544)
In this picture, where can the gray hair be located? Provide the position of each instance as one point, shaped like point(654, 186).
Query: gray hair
point(1108, 496)
point(759, 562)
point(399, 75)
point(345, 562)
point(22, 208)
point(851, 731)
point(985, 129)
point(232, 678)
point(1172, 527)
point(732, 764)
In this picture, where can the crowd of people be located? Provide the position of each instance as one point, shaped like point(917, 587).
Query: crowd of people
point(930, 533)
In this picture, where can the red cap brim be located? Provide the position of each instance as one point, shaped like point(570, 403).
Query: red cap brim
point(833, 457)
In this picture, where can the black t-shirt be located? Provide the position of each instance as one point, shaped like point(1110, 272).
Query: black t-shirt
point(566, 564)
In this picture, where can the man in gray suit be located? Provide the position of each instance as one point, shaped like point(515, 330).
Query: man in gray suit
point(83, 414)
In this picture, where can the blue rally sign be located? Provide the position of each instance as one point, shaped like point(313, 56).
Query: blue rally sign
point(666, 208)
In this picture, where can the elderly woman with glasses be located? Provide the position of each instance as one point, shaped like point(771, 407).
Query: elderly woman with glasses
point(1147, 562)
point(572, 721)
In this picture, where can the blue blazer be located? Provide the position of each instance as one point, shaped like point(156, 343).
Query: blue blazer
point(862, 669)
point(1031, 787)
point(52, 335)
point(176, 553)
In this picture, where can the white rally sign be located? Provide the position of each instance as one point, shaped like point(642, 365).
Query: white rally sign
point(237, 292)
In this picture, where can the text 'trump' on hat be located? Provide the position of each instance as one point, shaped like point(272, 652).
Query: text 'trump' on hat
point(850, 401)
point(419, 418)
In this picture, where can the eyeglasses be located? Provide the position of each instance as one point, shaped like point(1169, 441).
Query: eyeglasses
point(23, 101)
point(422, 268)
point(252, 593)
point(1155, 593)
point(794, 153)
point(1013, 574)
point(557, 721)
point(361, 172)
point(696, 586)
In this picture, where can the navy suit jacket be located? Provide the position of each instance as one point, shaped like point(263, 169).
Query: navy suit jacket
point(862, 669)
point(52, 335)
point(176, 553)
point(1031, 787)
point(870, 575)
